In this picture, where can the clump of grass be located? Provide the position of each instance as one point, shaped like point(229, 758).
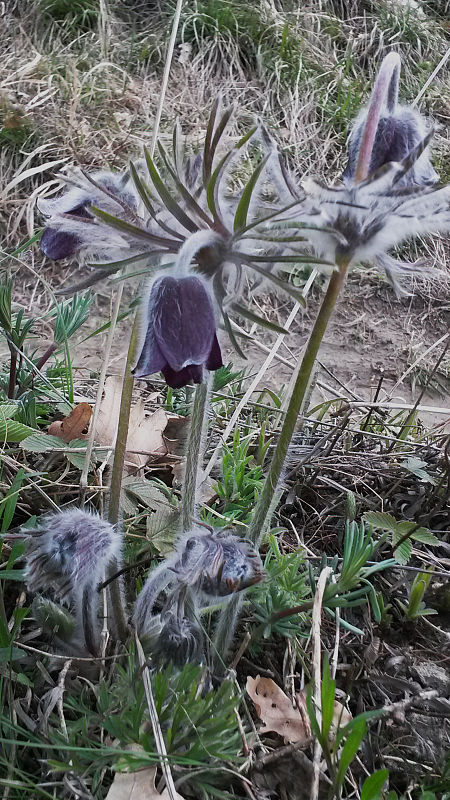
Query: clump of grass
point(75, 16)
point(16, 129)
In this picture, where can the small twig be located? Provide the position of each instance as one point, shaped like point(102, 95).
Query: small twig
point(59, 702)
point(398, 709)
point(282, 752)
point(241, 650)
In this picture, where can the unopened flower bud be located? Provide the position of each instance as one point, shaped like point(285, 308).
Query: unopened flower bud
point(67, 554)
point(69, 550)
point(219, 564)
point(180, 641)
point(71, 226)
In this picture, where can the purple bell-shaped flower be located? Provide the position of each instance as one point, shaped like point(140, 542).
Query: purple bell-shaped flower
point(70, 225)
point(178, 332)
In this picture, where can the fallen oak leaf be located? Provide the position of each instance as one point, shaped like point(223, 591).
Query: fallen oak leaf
point(72, 426)
point(138, 785)
point(145, 433)
point(275, 710)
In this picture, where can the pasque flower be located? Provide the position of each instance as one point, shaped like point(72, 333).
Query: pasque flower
point(398, 130)
point(67, 554)
point(72, 227)
point(373, 212)
point(178, 335)
point(206, 566)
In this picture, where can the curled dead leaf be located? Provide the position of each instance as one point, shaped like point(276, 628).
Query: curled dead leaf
point(276, 711)
point(72, 426)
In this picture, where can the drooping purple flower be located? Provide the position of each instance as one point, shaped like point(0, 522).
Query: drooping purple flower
point(179, 332)
point(71, 227)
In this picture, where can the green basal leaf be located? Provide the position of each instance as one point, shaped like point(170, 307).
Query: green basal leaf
point(5, 306)
point(373, 785)
point(167, 198)
point(38, 442)
point(382, 520)
point(240, 217)
point(402, 554)
point(12, 431)
point(13, 575)
point(245, 312)
point(8, 410)
point(328, 691)
point(350, 749)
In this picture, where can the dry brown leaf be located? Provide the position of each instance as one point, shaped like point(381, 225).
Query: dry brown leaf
point(275, 709)
point(145, 433)
point(137, 786)
point(72, 426)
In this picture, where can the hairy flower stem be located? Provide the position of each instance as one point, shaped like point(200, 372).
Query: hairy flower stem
point(228, 618)
point(258, 521)
point(194, 452)
point(117, 610)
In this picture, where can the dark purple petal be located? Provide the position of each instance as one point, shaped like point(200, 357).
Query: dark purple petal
point(150, 358)
point(58, 244)
point(214, 360)
point(183, 320)
point(179, 378)
point(397, 134)
point(80, 210)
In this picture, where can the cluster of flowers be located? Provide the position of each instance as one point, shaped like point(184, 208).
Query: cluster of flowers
point(185, 221)
point(198, 244)
point(68, 553)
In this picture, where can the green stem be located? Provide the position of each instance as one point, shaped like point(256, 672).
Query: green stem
point(3, 616)
point(260, 513)
point(227, 621)
point(122, 431)
point(199, 419)
point(12, 374)
point(115, 594)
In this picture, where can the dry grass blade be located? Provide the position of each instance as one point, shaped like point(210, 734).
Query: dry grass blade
point(159, 739)
point(317, 650)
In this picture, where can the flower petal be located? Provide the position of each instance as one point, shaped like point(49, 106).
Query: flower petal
point(183, 320)
point(214, 360)
point(58, 244)
point(179, 378)
point(150, 359)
